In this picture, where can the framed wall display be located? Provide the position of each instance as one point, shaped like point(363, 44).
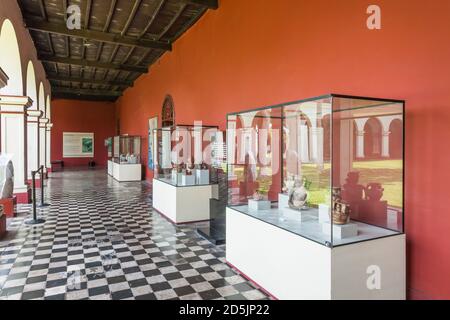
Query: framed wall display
point(78, 145)
point(152, 125)
point(168, 112)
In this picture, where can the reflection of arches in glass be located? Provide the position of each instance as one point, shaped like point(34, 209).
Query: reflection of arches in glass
point(10, 60)
point(31, 89)
point(396, 139)
point(372, 138)
point(168, 112)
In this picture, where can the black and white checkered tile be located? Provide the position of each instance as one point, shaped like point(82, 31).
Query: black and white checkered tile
point(101, 240)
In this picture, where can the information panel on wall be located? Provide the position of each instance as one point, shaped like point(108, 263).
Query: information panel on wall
point(78, 145)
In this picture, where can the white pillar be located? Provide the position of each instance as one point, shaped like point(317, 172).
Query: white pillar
point(13, 112)
point(385, 144)
point(304, 143)
point(42, 142)
point(317, 145)
point(360, 144)
point(49, 147)
point(33, 140)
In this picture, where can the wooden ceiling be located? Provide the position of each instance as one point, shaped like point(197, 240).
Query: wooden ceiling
point(117, 42)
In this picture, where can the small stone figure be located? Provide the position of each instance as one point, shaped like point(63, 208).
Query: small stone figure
point(289, 184)
point(258, 196)
point(298, 195)
point(203, 166)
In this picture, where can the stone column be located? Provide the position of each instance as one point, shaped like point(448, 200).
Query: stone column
point(317, 145)
point(359, 144)
point(43, 143)
point(13, 124)
point(385, 144)
point(49, 148)
point(304, 143)
point(33, 117)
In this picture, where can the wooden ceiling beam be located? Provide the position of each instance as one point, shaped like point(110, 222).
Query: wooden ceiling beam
point(71, 96)
point(210, 4)
point(90, 81)
point(61, 29)
point(92, 64)
point(174, 19)
point(152, 19)
point(86, 92)
point(137, 4)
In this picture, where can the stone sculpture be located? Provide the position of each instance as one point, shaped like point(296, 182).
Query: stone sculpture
point(6, 177)
point(298, 195)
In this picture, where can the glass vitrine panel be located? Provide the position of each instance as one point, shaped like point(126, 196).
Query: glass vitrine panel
point(329, 169)
point(127, 149)
point(184, 155)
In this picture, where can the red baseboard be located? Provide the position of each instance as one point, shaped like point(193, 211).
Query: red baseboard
point(2, 226)
point(23, 198)
point(38, 183)
point(251, 280)
point(8, 207)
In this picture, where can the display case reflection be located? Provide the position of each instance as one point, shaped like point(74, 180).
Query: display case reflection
point(329, 169)
point(184, 154)
point(127, 149)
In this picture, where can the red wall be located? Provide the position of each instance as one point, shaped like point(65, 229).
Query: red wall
point(252, 53)
point(82, 116)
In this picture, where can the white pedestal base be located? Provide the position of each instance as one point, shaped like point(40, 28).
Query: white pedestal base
point(295, 215)
point(187, 180)
point(341, 231)
point(183, 204)
point(324, 213)
point(283, 201)
point(202, 176)
point(294, 268)
point(257, 205)
point(127, 172)
point(110, 167)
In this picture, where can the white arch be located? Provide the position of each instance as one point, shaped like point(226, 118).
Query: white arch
point(31, 89)
point(48, 110)
point(42, 98)
point(10, 60)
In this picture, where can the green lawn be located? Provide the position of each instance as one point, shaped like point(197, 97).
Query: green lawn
point(386, 172)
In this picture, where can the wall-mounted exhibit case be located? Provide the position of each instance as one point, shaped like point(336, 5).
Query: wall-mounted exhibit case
point(184, 179)
point(316, 198)
point(126, 163)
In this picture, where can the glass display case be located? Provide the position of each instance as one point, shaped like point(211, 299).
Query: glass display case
point(127, 149)
point(184, 155)
point(109, 147)
point(329, 169)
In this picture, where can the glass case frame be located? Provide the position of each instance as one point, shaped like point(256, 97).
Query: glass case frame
point(343, 111)
point(180, 160)
point(127, 150)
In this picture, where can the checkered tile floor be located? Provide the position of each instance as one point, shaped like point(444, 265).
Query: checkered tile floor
point(101, 240)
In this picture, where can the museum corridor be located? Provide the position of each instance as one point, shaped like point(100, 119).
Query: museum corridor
point(101, 240)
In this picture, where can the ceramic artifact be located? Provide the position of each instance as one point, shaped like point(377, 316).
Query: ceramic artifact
point(341, 210)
